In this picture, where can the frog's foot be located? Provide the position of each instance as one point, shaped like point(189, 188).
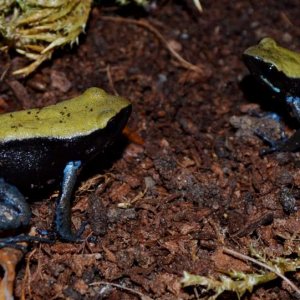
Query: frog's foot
point(275, 146)
point(284, 144)
point(265, 151)
point(63, 208)
point(67, 236)
point(14, 242)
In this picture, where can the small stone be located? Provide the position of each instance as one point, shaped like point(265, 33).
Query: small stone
point(60, 81)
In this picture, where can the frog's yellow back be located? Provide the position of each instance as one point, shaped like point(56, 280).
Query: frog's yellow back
point(79, 116)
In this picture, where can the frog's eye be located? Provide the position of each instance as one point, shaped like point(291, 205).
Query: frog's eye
point(268, 43)
point(95, 93)
point(104, 117)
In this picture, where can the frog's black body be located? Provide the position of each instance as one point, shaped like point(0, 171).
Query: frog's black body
point(32, 163)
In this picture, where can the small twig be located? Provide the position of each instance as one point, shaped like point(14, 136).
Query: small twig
point(27, 277)
point(198, 5)
point(110, 80)
point(263, 265)
point(129, 203)
point(142, 296)
point(184, 63)
point(4, 73)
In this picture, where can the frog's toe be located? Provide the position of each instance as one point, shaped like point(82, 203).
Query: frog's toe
point(275, 146)
point(67, 235)
point(265, 138)
point(266, 151)
point(70, 238)
point(14, 242)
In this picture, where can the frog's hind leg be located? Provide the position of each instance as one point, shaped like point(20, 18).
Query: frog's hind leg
point(14, 213)
point(14, 210)
point(63, 208)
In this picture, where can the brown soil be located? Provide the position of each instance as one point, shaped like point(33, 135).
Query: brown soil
point(196, 183)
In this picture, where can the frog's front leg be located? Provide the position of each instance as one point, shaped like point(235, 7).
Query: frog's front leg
point(285, 143)
point(63, 208)
point(294, 104)
point(14, 210)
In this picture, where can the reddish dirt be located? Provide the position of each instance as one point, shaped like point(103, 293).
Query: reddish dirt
point(196, 184)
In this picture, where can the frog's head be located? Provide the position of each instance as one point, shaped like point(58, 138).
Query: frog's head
point(104, 111)
point(102, 107)
point(276, 66)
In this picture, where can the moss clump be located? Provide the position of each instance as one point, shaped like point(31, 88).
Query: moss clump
point(35, 28)
point(239, 282)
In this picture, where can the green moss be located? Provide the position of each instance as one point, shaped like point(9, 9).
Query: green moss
point(239, 282)
point(35, 28)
